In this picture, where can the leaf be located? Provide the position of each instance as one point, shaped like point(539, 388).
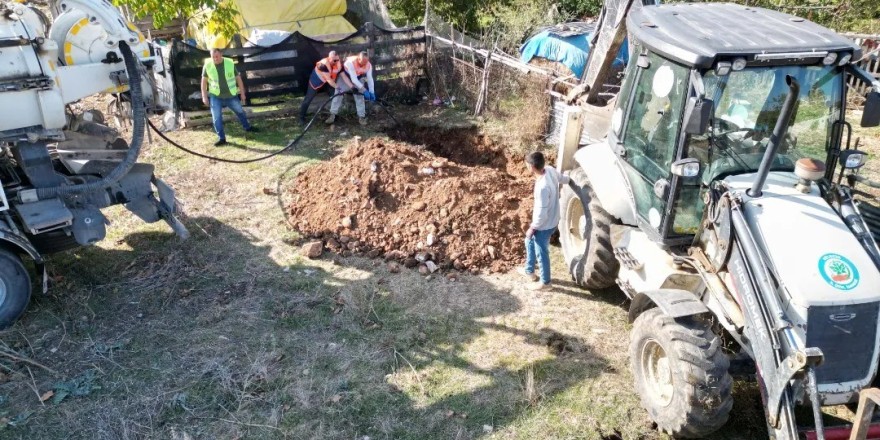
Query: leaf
point(77, 387)
point(47, 395)
point(20, 419)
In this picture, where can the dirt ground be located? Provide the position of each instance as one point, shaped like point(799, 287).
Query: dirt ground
point(233, 335)
point(450, 199)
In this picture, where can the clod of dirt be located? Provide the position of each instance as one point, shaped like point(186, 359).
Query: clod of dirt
point(559, 343)
point(312, 249)
point(471, 213)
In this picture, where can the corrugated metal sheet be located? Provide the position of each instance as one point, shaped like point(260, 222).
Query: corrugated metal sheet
point(557, 111)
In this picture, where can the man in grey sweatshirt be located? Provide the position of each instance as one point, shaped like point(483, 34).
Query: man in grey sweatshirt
point(545, 218)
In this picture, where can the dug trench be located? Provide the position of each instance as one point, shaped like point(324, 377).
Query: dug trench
point(422, 197)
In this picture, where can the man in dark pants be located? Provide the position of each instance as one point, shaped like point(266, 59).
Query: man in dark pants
point(221, 82)
point(326, 71)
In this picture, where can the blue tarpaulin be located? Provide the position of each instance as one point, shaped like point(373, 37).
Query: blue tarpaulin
point(571, 50)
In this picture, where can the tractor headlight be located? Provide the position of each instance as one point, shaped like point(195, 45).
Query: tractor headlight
point(688, 167)
point(830, 58)
point(844, 60)
point(722, 68)
point(738, 64)
point(852, 159)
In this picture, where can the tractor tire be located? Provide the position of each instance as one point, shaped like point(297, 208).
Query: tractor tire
point(15, 288)
point(585, 235)
point(680, 374)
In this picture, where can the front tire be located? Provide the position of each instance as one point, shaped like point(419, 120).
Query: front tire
point(585, 235)
point(680, 374)
point(15, 288)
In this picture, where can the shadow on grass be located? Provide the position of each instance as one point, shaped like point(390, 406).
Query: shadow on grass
point(212, 338)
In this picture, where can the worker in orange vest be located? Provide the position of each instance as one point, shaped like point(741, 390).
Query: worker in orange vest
point(326, 71)
point(359, 72)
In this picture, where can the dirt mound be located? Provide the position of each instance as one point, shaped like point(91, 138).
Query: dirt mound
point(459, 201)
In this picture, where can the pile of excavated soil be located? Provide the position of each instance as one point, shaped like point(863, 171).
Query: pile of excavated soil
point(459, 201)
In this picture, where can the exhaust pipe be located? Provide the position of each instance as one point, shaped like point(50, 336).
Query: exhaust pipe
point(778, 134)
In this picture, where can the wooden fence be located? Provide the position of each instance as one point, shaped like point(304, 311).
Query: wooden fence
point(870, 60)
point(283, 69)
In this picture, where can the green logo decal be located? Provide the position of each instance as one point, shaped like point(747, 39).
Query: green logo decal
point(838, 271)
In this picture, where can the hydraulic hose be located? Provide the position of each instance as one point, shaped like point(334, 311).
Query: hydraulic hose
point(289, 145)
point(137, 137)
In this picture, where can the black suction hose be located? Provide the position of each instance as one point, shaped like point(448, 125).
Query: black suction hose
point(137, 137)
point(289, 145)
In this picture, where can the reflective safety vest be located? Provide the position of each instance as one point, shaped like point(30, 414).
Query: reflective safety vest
point(316, 81)
point(214, 76)
point(359, 70)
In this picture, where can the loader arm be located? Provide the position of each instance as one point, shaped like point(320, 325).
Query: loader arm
point(605, 45)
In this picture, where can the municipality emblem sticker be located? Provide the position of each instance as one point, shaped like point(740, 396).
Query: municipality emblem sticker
point(838, 271)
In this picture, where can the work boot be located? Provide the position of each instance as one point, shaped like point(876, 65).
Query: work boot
point(362, 121)
point(220, 143)
point(528, 275)
point(331, 119)
point(253, 130)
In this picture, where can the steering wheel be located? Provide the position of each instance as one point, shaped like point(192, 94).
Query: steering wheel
point(727, 128)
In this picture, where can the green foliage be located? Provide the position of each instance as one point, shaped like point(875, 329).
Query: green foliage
point(219, 15)
point(580, 9)
point(517, 20)
point(506, 22)
point(465, 15)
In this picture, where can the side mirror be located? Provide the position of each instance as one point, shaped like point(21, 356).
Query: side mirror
point(687, 167)
point(871, 114)
point(701, 113)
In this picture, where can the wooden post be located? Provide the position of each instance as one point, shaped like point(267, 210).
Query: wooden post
point(371, 38)
point(484, 85)
point(868, 399)
point(236, 43)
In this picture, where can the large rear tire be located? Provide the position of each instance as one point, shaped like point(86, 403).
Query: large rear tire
point(585, 235)
point(680, 374)
point(15, 288)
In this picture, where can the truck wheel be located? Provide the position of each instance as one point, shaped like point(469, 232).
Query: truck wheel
point(680, 374)
point(585, 235)
point(15, 288)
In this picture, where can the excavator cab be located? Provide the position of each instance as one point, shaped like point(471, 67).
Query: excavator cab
point(682, 127)
point(717, 204)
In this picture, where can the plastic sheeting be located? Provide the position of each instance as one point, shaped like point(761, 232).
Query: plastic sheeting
point(571, 51)
point(312, 18)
